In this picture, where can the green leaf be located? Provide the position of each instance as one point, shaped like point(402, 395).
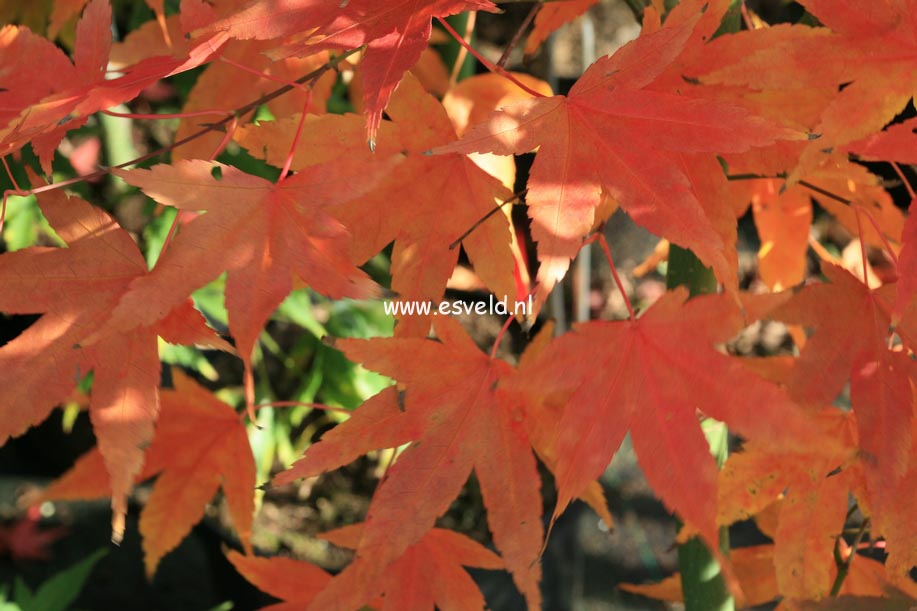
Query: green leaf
point(59, 592)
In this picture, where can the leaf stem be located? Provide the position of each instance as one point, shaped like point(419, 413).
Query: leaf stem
point(600, 238)
point(295, 144)
point(885, 242)
point(230, 131)
point(487, 63)
point(6, 166)
point(856, 210)
point(907, 184)
point(493, 350)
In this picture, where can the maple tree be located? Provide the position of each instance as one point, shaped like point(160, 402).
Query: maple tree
point(357, 138)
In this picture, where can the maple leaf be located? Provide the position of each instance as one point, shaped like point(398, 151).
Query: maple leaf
point(422, 226)
point(851, 326)
point(812, 515)
point(43, 117)
point(609, 105)
point(815, 483)
point(429, 575)
point(783, 214)
point(293, 581)
point(465, 427)
point(395, 35)
point(871, 50)
point(657, 371)
point(225, 86)
point(552, 16)
point(783, 220)
point(76, 288)
point(896, 143)
point(277, 230)
point(200, 445)
point(380, 422)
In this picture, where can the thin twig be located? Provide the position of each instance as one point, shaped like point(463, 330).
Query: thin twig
point(732, 177)
point(515, 198)
point(242, 110)
point(518, 35)
point(264, 75)
point(174, 115)
point(825, 192)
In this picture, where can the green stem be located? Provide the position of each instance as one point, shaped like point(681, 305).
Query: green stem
point(118, 142)
point(450, 51)
point(702, 582)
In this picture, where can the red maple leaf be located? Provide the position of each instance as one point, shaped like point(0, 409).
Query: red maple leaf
point(450, 389)
point(395, 35)
point(400, 208)
point(613, 134)
point(277, 231)
point(655, 374)
point(43, 111)
point(850, 343)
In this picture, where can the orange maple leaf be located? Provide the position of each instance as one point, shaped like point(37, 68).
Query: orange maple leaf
point(897, 143)
point(869, 48)
point(614, 133)
point(552, 16)
point(276, 231)
point(200, 445)
point(808, 493)
point(851, 325)
point(656, 373)
point(424, 205)
point(76, 289)
point(450, 387)
point(395, 35)
point(429, 575)
point(43, 111)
